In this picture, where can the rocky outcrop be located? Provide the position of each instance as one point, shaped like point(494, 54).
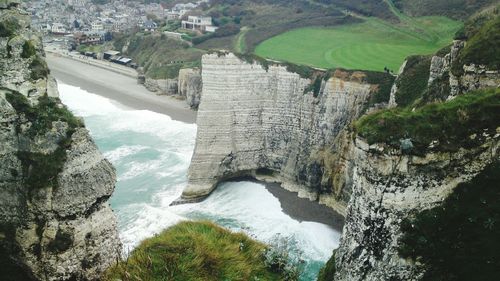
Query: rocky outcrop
point(161, 86)
point(387, 187)
point(55, 219)
point(270, 123)
point(190, 86)
point(474, 77)
point(392, 98)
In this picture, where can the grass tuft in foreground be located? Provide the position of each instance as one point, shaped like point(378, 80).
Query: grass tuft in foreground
point(195, 251)
point(450, 123)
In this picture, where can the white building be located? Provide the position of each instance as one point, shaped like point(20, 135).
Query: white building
point(198, 23)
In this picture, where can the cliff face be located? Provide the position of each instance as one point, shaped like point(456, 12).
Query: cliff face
point(265, 122)
point(55, 219)
point(388, 187)
point(190, 86)
point(473, 77)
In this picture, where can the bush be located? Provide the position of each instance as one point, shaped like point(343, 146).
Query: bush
point(459, 239)
point(450, 123)
point(384, 83)
point(39, 69)
point(482, 48)
point(8, 28)
point(278, 258)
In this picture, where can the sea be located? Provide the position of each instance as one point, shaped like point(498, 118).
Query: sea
point(151, 154)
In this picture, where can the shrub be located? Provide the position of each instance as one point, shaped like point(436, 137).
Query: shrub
point(384, 83)
point(28, 50)
point(279, 260)
point(39, 69)
point(482, 48)
point(8, 28)
point(459, 239)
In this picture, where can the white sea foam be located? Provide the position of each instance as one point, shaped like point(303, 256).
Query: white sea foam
point(123, 151)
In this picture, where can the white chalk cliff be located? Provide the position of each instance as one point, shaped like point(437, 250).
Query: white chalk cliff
point(264, 121)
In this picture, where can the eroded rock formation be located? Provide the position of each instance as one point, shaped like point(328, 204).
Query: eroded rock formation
point(55, 219)
point(270, 123)
point(389, 186)
point(190, 86)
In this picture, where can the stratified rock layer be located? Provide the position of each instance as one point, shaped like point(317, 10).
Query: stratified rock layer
point(388, 187)
point(254, 120)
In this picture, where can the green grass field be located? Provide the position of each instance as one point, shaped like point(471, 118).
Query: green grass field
point(370, 45)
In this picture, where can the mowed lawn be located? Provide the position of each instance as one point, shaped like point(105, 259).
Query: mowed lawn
point(371, 45)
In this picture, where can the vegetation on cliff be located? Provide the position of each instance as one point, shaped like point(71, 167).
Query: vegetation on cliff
point(197, 251)
point(459, 239)
point(483, 46)
point(160, 56)
point(453, 124)
point(328, 271)
point(457, 9)
point(40, 169)
point(412, 83)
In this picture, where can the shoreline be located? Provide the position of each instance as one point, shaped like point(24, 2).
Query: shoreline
point(117, 87)
point(300, 209)
point(125, 91)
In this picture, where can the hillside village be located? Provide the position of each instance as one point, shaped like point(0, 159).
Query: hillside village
point(89, 22)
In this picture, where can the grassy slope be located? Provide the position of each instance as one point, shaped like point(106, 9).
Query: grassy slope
point(459, 9)
point(450, 123)
point(195, 251)
point(370, 45)
point(160, 56)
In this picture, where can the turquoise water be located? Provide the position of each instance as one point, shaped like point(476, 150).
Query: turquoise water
point(151, 153)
